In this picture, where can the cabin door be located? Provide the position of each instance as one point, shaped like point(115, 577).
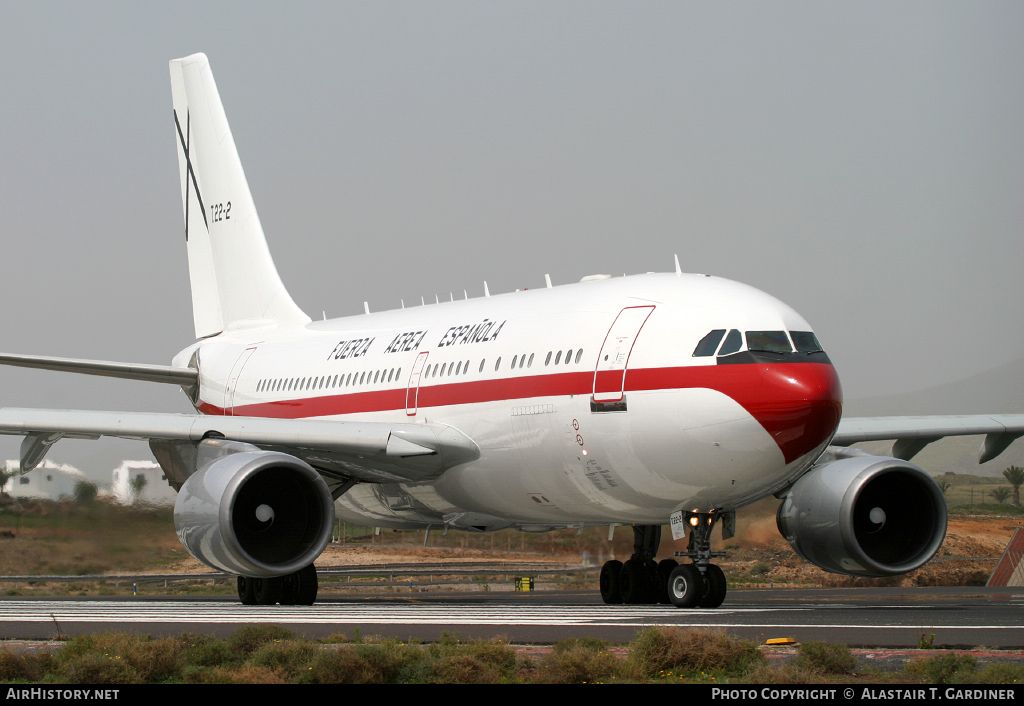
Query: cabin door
point(412, 393)
point(610, 375)
point(236, 372)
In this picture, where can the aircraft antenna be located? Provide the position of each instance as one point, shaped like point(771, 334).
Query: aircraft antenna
point(547, 280)
point(366, 307)
point(487, 292)
point(464, 294)
point(679, 270)
point(403, 303)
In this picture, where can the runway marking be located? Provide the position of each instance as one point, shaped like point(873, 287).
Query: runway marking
point(421, 614)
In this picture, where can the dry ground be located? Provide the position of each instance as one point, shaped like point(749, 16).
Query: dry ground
point(63, 539)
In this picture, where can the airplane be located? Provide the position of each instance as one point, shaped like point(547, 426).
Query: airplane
point(644, 400)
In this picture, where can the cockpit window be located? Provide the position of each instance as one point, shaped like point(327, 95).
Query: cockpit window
point(733, 342)
point(769, 341)
point(805, 341)
point(709, 344)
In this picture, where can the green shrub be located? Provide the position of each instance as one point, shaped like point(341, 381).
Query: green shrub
point(380, 663)
point(691, 651)
point(206, 651)
point(290, 657)
point(147, 660)
point(949, 668)
point(824, 658)
point(249, 638)
point(999, 673)
point(460, 669)
point(764, 672)
point(577, 663)
point(22, 667)
point(96, 668)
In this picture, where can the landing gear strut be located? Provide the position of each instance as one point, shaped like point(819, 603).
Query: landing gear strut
point(299, 588)
point(642, 581)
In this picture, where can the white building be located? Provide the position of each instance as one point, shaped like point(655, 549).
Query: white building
point(49, 481)
point(127, 487)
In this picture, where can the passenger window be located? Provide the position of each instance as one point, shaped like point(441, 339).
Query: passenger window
point(465, 368)
point(768, 341)
point(709, 344)
point(558, 357)
point(514, 359)
point(522, 360)
point(806, 342)
point(733, 342)
point(458, 368)
point(451, 368)
point(376, 376)
point(362, 377)
point(579, 354)
point(497, 363)
point(482, 361)
point(548, 359)
point(568, 356)
point(530, 363)
point(398, 374)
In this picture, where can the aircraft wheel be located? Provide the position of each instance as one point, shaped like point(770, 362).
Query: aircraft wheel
point(660, 584)
point(267, 591)
point(715, 587)
point(302, 588)
point(245, 590)
point(685, 586)
point(610, 592)
point(635, 583)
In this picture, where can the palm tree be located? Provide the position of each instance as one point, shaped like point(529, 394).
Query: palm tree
point(1014, 475)
point(1000, 494)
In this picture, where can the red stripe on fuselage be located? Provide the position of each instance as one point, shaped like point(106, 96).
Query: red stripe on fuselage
point(799, 404)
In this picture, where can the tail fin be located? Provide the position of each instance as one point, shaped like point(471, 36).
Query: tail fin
point(233, 275)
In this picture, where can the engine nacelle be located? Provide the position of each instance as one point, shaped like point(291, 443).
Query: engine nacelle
point(255, 513)
point(865, 516)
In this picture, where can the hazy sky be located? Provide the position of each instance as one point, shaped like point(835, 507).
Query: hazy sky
point(863, 162)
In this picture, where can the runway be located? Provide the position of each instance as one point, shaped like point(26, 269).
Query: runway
point(870, 617)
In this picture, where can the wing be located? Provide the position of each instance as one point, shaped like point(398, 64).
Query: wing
point(912, 434)
point(341, 451)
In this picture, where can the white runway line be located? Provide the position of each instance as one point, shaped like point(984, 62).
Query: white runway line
point(399, 614)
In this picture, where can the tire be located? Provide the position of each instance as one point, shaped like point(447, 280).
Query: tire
point(716, 586)
point(685, 586)
point(268, 591)
point(610, 592)
point(304, 586)
point(245, 591)
point(660, 585)
point(635, 583)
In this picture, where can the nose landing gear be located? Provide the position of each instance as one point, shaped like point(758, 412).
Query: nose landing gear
point(642, 581)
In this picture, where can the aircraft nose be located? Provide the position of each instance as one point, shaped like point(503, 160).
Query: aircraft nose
point(800, 407)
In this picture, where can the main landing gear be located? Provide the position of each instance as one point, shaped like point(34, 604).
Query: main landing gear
point(299, 588)
point(641, 580)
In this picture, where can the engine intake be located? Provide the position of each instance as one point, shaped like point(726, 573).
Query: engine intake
point(865, 516)
point(255, 513)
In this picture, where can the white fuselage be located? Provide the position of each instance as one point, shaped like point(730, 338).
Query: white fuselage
point(586, 400)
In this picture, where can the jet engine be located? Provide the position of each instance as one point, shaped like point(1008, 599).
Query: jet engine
point(865, 516)
point(255, 513)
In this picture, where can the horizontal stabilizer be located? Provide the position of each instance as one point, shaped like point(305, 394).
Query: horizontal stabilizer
point(128, 371)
